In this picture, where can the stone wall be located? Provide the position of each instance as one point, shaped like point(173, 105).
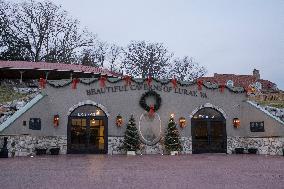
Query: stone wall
point(115, 144)
point(25, 145)
point(267, 145)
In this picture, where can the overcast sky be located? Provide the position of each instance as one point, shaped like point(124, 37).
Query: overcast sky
point(225, 36)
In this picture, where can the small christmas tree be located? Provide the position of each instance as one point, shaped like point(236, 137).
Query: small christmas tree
point(172, 142)
point(131, 139)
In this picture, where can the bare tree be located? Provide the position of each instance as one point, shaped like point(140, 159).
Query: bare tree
point(115, 57)
point(185, 69)
point(40, 31)
point(144, 59)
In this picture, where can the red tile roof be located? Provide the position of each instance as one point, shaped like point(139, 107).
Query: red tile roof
point(54, 66)
point(239, 80)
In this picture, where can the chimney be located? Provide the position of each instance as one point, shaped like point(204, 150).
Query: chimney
point(256, 74)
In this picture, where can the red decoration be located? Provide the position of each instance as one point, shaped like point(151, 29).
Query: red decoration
point(103, 81)
point(222, 88)
point(75, 81)
point(151, 111)
point(42, 83)
point(149, 81)
point(174, 82)
point(199, 83)
point(127, 80)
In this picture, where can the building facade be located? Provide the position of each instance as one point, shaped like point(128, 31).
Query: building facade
point(82, 117)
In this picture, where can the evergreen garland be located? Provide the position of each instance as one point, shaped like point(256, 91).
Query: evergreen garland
point(141, 81)
point(172, 138)
point(131, 139)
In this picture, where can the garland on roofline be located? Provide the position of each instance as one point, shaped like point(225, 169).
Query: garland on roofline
point(130, 80)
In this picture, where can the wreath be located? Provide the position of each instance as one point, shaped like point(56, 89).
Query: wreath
point(157, 97)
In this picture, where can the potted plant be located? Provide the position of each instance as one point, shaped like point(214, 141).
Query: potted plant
point(131, 141)
point(239, 150)
point(40, 151)
point(252, 150)
point(54, 151)
point(172, 141)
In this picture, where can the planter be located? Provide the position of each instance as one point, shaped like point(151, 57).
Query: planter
point(54, 151)
point(3, 153)
point(40, 151)
point(131, 153)
point(174, 153)
point(239, 150)
point(252, 150)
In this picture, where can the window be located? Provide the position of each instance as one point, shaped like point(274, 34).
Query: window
point(230, 83)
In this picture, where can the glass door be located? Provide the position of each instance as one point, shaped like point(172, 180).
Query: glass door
point(96, 139)
point(78, 132)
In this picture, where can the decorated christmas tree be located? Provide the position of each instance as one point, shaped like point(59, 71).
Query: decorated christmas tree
point(131, 139)
point(172, 141)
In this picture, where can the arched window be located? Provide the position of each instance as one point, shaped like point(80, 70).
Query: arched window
point(208, 113)
point(230, 83)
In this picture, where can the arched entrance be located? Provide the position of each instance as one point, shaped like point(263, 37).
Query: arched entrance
point(208, 128)
point(87, 130)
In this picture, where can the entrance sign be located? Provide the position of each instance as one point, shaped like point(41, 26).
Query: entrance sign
point(145, 87)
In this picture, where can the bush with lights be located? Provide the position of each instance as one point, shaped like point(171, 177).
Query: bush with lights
point(172, 141)
point(131, 139)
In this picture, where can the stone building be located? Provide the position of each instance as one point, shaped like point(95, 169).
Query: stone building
point(80, 116)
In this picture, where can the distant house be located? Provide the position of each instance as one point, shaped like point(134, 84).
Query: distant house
point(245, 81)
point(258, 88)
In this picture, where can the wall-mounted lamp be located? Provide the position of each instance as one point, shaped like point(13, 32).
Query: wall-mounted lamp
point(182, 122)
point(56, 120)
point(119, 120)
point(236, 122)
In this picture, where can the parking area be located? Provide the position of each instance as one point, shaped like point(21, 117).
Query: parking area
point(146, 171)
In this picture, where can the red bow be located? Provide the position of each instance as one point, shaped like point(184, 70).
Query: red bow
point(75, 81)
point(42, 83)
point(149, 81)
point(127, 80)
point(222, 88)
point(103, 81)
point(199, 83)
point(151, 111)
point(174, 82)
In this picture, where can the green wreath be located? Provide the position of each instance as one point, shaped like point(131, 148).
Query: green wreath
point(157, 97)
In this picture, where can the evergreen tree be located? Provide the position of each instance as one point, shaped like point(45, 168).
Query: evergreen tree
point(172, 141)
point(131, 139)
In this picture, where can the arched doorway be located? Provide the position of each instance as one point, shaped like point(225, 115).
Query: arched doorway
point(208, 128)
point(87, 130)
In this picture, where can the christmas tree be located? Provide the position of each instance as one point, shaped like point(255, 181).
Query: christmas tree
point(172, 142)
point(131, 139)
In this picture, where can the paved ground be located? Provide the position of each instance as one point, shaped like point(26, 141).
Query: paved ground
point(152, 171)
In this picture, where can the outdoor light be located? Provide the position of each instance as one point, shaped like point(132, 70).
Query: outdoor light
point(236, 122)
point(56, 120)
point(98, 112)
point(182, 122)
point(119, 120)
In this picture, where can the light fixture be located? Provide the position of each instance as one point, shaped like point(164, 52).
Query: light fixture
point(182, 122)
point(93, 121)
point(119, 120)
point(236, 122)
point(98, 112)
point(56, 120)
